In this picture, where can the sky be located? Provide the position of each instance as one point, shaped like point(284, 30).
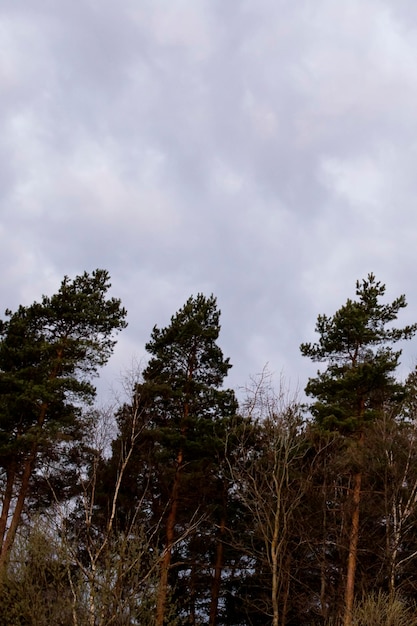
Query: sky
point(264, 151)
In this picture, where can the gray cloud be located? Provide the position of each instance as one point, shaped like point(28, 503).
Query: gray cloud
point(262, 151)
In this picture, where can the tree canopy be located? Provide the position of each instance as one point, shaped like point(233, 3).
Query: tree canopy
point(48, 353)
point(180, 506)
point(356, 343)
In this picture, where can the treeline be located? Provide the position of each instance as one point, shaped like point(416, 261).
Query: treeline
point(182, 507)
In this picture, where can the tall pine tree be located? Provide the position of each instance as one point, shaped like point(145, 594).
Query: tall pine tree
point(48, 353)
point(356, 343)
point(184, 412)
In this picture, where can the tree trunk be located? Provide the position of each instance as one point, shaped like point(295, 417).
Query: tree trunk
point(286, 592)
point(353, 550)
point(17, 513)
point(172, 516)
point(275, 574)
point(170, 535)
point(8, 538)
point(7, 499)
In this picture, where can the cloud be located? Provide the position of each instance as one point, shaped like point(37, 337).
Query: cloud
point(262, 151)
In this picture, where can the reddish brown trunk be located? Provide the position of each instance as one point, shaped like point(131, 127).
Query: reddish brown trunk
point(17, 513)
point(353, 550)
point(172, 516)
point(8, 538)
point(170, 536)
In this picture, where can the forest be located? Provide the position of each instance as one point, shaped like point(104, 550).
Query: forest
point(182, 506)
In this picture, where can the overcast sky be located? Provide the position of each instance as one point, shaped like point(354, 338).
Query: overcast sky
point(261, 150)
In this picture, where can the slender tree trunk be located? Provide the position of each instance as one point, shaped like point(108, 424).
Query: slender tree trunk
point(29, 463)
point(393, 542)
point(323, 560)
point(17, 513)
point(275, 575)
point(7, 539)
point(7, 499)
point(286, 593)
point(172, 516)
point(353, 550)
point(170, 536)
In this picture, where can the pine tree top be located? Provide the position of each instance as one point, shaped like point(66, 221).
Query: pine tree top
point(357, 345)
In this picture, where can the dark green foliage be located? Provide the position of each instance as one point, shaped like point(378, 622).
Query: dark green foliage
point(179, 401)
point(48, 353)
point(184, 376)
point(249, 516)
point(356, 344)
point(355, 390)
point(183, 415)
point(183, 382)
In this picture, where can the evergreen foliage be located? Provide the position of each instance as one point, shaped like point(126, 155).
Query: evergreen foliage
point(194, 510)
point(48, 353)
point(184, 415)
point(357, 385)
point(356, 343)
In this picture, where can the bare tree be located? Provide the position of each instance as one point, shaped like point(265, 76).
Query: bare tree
point(267, 485)
point(393, 452)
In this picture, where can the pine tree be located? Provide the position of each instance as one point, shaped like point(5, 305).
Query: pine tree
point(357, 345)
point(184, 413)
point(48, 353)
